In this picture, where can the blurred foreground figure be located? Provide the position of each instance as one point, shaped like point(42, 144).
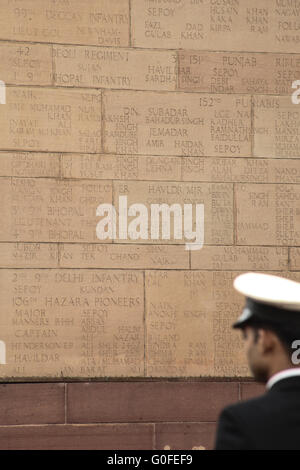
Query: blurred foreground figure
point(270, 325)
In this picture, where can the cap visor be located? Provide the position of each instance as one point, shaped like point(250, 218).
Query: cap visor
point(240, 323)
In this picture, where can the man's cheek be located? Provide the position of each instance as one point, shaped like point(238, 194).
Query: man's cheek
point(250, 353)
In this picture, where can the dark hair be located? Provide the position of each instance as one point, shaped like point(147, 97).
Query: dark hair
point(286, 334)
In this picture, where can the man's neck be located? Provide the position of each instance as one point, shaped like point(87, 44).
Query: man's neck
point(291, 371)
point(279, 366)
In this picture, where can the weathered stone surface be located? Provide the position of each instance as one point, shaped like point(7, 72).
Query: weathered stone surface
point(52, 120)
point(240, 72)
point(189, 328)
point(268, 214)
point(114, 68)
point(139, 167)
point(28, 255)
point(227, 26)
point(72, 323)
point(112, 255)
point(51, 210)
point(177, 124)
point(217, 199)
point(25, 64)
point(276, 127)
point(241, 170)
point(29, 164)
point(104, 23)
point(252, 258)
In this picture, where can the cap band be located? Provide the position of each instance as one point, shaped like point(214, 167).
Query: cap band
point(270, 312)
point(258, 311)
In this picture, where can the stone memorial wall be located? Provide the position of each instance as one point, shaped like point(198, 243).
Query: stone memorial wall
point(164, 102)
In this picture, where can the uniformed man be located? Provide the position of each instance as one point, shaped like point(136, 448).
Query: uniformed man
point(270, 325)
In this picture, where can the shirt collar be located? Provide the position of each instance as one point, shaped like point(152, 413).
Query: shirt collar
point(292, 372)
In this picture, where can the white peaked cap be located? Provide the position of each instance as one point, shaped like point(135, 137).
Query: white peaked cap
point(268, 297)
point(270, 289)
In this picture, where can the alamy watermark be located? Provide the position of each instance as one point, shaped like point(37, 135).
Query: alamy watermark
point(145, 226)
point(2, 92)
point(2, 352)
point(296, 354)
point(296, 93)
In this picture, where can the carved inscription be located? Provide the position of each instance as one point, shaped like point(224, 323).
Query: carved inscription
point(189, 329)
point(276, 127)
point(219, 72)
point(177, 124)
point(268, 214)
point(253, 258)
point(247, 170)
point(116, 256)
point(121, 167)
point(104, 23)
point(295, 258)
point(114, 68)
point(26, 64)
point(28, 255)
point(217, 200)
point(51, 120)
point(29, 164)
point(271, 26)
point(52, 210)
point(68, 323)
point(165, 102)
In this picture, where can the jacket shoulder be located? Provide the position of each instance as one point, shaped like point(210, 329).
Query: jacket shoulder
point(238, 423)
point(250, 404)
point(254, 410)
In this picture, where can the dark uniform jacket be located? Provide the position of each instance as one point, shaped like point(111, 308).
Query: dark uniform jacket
point(271, 421)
